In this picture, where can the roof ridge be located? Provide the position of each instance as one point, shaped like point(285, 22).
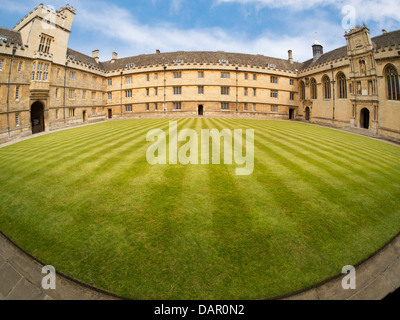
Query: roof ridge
point(386, 34)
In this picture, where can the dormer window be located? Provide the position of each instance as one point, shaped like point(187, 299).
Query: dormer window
point(45, 42)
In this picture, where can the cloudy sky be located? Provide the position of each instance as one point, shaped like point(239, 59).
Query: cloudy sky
point(267, 27)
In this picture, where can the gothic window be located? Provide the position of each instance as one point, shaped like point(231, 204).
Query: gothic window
point(392, 83)
point(342, 86)
point(327, 87)
point(313, 89)
point(302, 91)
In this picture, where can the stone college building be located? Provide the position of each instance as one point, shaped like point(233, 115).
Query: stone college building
point(44, 85)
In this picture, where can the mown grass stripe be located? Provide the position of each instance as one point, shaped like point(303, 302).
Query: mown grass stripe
point(42, 151)
point(320, 147)
point(343, 178)
point(303, 132)
point(312, 164)
point(333, 141)
point(349, 166)
point(200, 231)
point(57, 160)
point(327, 190)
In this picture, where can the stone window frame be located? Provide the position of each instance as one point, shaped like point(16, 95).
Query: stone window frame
point(392, 83)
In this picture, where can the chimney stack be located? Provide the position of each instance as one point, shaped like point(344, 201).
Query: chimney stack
point(157, 51)
point(290, 53)
point(384, 31)
point(114, 57)
point(95, 55)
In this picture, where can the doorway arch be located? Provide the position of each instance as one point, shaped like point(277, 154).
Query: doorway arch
point(365, 118)
point(308, 114)
point(37, 117)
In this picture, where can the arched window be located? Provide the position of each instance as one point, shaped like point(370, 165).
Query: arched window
point(313, 88)
point(327, 87)
point(342, 86)
point(392, 83)
point(302, 90)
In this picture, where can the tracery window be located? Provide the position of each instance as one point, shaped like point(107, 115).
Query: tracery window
point(392, 77)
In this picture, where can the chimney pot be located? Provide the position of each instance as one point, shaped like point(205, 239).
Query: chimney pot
point(157, 51)
point(95, 55)
point(290, 54)
point(114, 57)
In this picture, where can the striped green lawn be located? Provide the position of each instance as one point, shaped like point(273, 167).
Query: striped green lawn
point(86, 201)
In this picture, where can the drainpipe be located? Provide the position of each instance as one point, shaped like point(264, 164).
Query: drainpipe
point(65, 84)
point(237, 93)
point(121, 93)
point(165, 83)
point(8, 91)
point(334, 95)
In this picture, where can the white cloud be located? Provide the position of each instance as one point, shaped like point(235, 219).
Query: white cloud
point(124, 34)
point(367, 10)
point(292, 4)
point(176, 6)
point(118, 29)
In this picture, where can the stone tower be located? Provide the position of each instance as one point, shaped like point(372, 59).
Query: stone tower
point(46, 32)
point(363, 79)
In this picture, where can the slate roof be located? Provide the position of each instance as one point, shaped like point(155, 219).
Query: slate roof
point(388, 39)
point(13, 37)
point(77, 56)
point(384, 40)
point(201, 57)
point(329, 56)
